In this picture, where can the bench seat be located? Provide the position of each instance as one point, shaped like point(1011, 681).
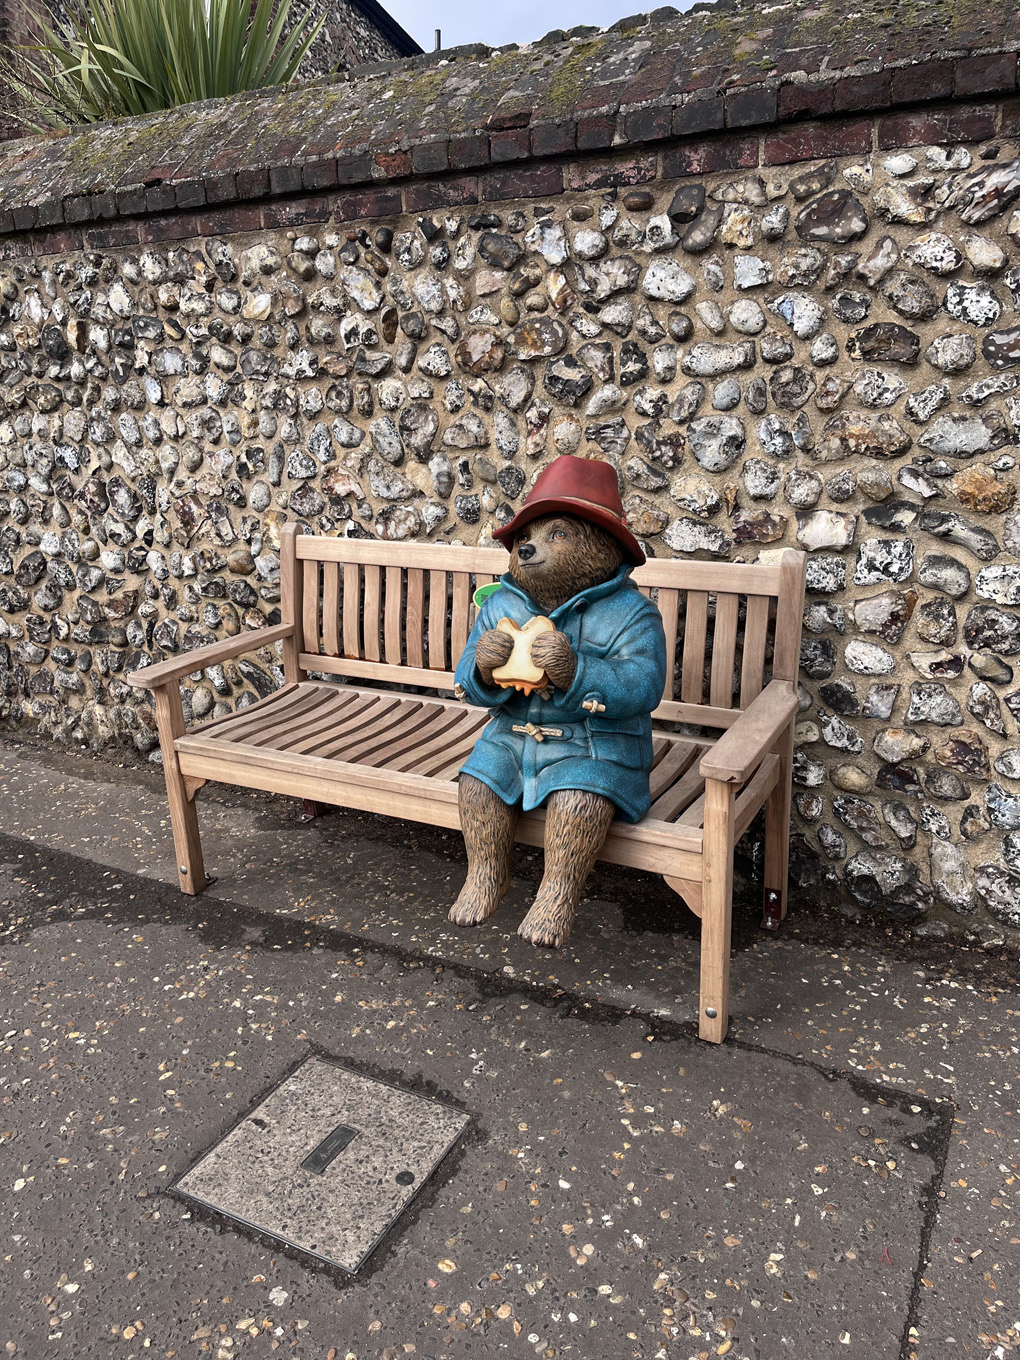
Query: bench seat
point(320, 741)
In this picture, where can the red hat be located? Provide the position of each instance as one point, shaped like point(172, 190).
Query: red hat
point(586, 487)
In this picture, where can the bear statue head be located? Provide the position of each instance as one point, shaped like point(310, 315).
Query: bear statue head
point(555, 557)
point(571, 532)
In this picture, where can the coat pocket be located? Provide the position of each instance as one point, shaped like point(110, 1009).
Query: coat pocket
point(624, 741)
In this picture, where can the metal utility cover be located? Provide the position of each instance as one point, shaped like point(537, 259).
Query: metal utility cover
point(327, 1162)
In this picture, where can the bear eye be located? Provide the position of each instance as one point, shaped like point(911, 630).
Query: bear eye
point(559, 533)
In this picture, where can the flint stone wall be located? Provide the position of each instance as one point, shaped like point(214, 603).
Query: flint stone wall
point(823, 354)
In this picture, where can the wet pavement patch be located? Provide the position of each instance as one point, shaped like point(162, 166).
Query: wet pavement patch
point(327, 1162)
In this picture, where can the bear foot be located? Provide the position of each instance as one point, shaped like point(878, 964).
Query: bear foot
point(549, 922)
point(477, 901)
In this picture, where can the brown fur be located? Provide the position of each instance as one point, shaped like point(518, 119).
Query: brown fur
point(570, 555)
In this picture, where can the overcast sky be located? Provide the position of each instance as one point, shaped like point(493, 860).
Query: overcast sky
point(521, 21)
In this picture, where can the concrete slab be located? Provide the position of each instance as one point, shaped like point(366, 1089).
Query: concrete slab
point(327, 1162)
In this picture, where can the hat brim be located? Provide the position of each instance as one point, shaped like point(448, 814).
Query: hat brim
point(570, 505)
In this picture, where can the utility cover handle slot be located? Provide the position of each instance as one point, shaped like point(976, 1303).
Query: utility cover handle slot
point(329, 1149)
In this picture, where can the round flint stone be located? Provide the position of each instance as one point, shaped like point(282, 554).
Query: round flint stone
point(836, 217)
point(975, 303)
point(716, 441)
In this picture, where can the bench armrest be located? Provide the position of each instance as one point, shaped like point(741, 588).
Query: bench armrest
point(166, 672)
point(741, 747)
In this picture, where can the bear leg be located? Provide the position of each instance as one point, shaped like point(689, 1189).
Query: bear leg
point(488, 825)
point(576, 823)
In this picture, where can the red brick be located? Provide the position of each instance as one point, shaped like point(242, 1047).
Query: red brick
point(806, 141)
point(295, 212)
point(321, 174)
point(25, 218)
point(16, 247)
point(354, 169)
point(805, 101)
point(853, 93)
point(252, 183)
point(651, 124)
point(227, 221)
point(49, 213)
point(514, 145)
point(985, 75)
point(595, 132)
point(430, 158)
point(924, 127)
point(56, 242)
point(189, 193)
point(467, 153)
point(124, 233)
point(699, 115)
point(173, 227)
point(285, 179)
point(924, 80)
point(367, 203)
point(1010, 125)
point(972, 122)
point(750, 108)
point(622, 171)
point(553, 139)
point(220, 188)
point(525, 181)
point(393, 164)
point(441, 193)
point(701, 158)
point(104, 206)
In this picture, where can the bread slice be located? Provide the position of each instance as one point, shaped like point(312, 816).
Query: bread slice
point(519, 672)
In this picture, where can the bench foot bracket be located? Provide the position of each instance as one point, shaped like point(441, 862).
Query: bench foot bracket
point(310, 809)
point(773, 917)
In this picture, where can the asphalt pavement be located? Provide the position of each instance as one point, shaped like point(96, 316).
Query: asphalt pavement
point(838, 1179)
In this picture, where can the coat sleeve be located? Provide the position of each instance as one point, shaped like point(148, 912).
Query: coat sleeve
point(629, 679)
point(467, 677)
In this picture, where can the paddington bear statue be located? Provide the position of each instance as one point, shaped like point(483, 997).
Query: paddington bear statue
point(571, 730)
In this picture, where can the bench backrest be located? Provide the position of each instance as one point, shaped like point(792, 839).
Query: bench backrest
point(402, 612)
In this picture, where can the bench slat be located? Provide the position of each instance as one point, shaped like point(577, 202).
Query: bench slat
point(289, 694)
point(692, 679)
point(393, 618)
point(415, 617)
point(252, 719)
point(724, 650)
point(352, 610)
point(437, 620)
point(421, 757)
point(375, 735)
point(323, 726)
point(331, 608)
point(670, 804)
point(752, 666)
point(371, 614)
point(460, 623)
point(437, 721)
point(274, 731)
point(310, 606)
point(669, 608)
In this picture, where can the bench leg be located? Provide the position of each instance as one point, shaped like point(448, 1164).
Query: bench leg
point(310, 809)
point(183, 817)
point(777, 837)
point(716, 911)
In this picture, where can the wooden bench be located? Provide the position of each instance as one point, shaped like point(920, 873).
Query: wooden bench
point(384, 614)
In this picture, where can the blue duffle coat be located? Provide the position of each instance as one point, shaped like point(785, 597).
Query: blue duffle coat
point(618, 638)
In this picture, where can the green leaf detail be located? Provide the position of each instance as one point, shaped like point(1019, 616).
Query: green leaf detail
point(483, 592)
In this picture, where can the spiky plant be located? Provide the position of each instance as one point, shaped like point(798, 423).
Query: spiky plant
point(109, 58)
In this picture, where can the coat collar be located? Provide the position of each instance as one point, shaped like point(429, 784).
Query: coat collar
point(580, 601)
